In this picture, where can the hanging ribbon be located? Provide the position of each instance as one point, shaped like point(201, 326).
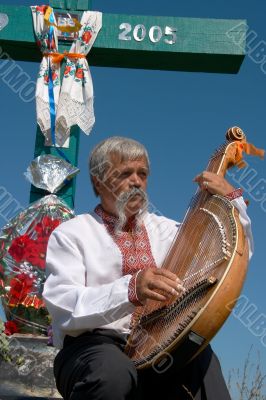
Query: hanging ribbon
point(59, 57)
point(249, 149)
point(51, 88)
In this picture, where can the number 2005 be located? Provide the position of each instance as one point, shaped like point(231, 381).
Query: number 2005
point(139, 33)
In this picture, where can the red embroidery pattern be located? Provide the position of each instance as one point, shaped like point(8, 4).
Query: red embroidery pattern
point(132, 290)
point(235, 194)
point(134, 246)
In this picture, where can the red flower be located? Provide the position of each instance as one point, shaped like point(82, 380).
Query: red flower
point(35, 253)
point(18, 246)
point(67, 70)
point(20, 286)
point(79, 73)
point(25, 249)
point(86, 37)
point(46, 226)
point(54, 76)
point(39, 43)
point(10, 328)
point(46, 78)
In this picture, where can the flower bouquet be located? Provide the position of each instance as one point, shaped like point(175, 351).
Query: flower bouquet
point(23, 244)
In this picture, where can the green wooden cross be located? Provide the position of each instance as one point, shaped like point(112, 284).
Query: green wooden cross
point(164, 43)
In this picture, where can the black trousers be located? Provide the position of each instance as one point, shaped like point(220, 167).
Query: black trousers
point(93, 367)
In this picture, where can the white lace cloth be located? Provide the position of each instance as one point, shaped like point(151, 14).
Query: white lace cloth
point(74, 99)
point(42, 87)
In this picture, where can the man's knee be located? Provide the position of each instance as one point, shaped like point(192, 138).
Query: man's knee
point(119, 373)
point(111, 382)
point(118, 386)
point(114, 378)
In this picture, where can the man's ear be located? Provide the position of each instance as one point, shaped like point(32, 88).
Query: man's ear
point(97, 184)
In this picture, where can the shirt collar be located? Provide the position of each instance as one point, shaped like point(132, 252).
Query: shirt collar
point(111, 220)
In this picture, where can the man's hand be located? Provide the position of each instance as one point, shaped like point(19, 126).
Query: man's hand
point(158, 284)
point(215, 184)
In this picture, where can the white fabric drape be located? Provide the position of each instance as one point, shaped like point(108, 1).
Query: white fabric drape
point(42, 92)
point(74, 99)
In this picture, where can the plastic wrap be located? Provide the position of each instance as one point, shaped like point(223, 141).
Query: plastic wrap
point(23, 245)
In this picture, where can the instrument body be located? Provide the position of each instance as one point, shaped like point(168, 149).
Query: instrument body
point(210, 254)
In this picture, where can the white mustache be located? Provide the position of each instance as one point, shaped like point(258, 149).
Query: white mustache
point(125, 196)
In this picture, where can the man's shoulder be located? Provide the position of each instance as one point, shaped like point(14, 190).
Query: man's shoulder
point(159, 219)
point(76, 224)
point(160, 227)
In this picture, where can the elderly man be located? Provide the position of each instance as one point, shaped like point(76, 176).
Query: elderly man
point(100, 266)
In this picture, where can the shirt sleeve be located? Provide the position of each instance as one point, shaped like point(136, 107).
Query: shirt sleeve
point(245, 221)
point(69, 301)
point(132, 290)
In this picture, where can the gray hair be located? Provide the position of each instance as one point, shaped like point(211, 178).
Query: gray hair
point(124, 148)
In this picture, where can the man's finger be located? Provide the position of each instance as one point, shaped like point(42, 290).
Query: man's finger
point(197, 178)
point(166, 273)
point(161, 285)
point(149, 294)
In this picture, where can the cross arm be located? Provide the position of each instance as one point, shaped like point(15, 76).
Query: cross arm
point(166, 43)
point(71, 4)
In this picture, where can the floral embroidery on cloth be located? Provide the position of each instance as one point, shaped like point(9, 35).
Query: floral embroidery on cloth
point(74, 98)
point(46, 45)
point(134, 246)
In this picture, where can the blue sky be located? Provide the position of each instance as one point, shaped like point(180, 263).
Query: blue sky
point(181, 118)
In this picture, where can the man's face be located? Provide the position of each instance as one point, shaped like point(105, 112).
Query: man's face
point(121, 178)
